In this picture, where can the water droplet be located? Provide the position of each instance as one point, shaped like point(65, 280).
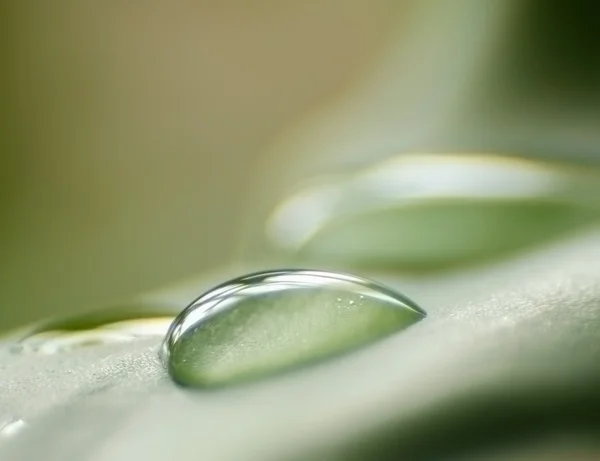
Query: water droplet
point(431, 212)
point(12, 428)
point(277, 320)
point(114, 325)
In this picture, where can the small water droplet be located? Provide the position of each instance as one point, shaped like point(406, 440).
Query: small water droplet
point(114, 325)
point(273, 321)
point(12, 428)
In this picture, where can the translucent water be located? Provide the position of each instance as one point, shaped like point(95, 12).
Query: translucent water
point(273, 321)
point(115, 325)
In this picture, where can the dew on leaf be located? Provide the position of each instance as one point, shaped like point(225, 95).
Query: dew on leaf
point(274, 321)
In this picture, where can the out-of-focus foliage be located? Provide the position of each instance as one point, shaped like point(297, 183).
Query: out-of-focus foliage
point(132, 132)
point(429, 213)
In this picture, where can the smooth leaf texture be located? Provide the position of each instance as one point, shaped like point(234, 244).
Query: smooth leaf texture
point(507, 352)
point(432, 212)
point(441, 235)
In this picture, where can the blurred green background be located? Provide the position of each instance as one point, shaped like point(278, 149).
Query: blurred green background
point(133, 133)
point(143, 143)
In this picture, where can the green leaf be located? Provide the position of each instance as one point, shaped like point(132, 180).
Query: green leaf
point(426, 213)
point(508, 352)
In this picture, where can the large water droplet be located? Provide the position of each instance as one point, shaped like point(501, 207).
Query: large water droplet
point(430, 212)
point(273, 321)
point(114, 325)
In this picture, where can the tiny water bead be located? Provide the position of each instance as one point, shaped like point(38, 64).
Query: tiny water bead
point(108, 326)
point(273, 321)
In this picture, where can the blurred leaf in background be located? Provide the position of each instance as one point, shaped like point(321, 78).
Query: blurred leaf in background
point(429, 213)
point(510, 78)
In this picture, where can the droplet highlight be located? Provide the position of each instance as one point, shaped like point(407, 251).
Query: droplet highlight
point(274, 321)
point(109, 326)
point(12, 428)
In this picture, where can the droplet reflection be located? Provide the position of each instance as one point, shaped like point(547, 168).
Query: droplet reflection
point(272, 321)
